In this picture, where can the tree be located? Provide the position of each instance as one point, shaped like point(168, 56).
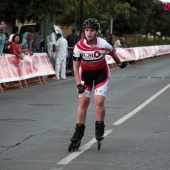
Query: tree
point(29, 10)
point(159, 20)
point(99, 9)
point(129, 16)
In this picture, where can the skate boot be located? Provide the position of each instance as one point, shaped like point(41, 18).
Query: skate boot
point(76, 139)
point(99, 132)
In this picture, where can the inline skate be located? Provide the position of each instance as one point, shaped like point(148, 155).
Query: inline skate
point(76, 139)
point(99, 132)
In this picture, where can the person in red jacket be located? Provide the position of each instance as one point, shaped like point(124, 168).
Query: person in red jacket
point(15, 47)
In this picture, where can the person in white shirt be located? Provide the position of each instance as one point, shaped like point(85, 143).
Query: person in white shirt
point(119, 43)
point(61, 52)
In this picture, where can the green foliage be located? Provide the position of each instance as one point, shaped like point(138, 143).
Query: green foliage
point(22, 9)
point(129, 16)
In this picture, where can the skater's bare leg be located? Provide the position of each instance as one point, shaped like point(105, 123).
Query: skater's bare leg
point(80, 126)
point(100, 107)
point(82, 109)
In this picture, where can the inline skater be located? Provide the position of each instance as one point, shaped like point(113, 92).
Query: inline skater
point(91, 71)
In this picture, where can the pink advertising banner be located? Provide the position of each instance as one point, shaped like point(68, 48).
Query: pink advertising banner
point(13, 69)
point(137, 53)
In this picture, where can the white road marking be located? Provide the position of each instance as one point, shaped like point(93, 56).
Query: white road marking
point(82, 149)
point(56, 168)
point(123, 119)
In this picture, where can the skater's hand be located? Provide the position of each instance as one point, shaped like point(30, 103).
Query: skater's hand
point(80, 88)
point(122, 65)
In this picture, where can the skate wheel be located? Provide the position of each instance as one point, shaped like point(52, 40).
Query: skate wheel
point(98, 145)
point(77, 146)
point(74, 146)
point(70, 147)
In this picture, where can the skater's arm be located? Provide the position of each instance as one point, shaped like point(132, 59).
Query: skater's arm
point(117, 60)
point(76, 71)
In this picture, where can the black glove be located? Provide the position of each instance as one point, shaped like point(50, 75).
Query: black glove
point(122, 65)
point(80, 88)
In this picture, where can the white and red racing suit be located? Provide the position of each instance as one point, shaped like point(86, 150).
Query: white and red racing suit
point(94, 70)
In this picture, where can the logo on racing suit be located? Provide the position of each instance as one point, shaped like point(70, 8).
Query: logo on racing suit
point(96, 54)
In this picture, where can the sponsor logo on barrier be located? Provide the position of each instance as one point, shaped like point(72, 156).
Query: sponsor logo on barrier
point(166, 6)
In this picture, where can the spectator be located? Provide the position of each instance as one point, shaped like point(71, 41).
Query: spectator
point(27, 42)
point(107, 32)
point(51, 40)
point(72, 39)
point(104, 37)
point(28, 29)
point(5, 49)
point(15, 47)
point(122, 41)
point(37, 41)
point(2, 42)
point(118, 43)
point(3, 39)
point(61, 52)
point(109, 39)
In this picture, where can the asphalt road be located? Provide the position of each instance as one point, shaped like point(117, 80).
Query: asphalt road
point(36, 123)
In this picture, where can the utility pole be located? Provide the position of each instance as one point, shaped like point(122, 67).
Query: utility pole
point(111, 26)
point(75, 18)
point(81, 15)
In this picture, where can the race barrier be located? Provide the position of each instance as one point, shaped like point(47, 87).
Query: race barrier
point(12, 69)
point(38, 65)
point(139, 53)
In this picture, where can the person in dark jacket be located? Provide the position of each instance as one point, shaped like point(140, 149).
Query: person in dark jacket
point(72, 39)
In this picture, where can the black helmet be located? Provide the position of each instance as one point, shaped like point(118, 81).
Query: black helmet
point(91, 23)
